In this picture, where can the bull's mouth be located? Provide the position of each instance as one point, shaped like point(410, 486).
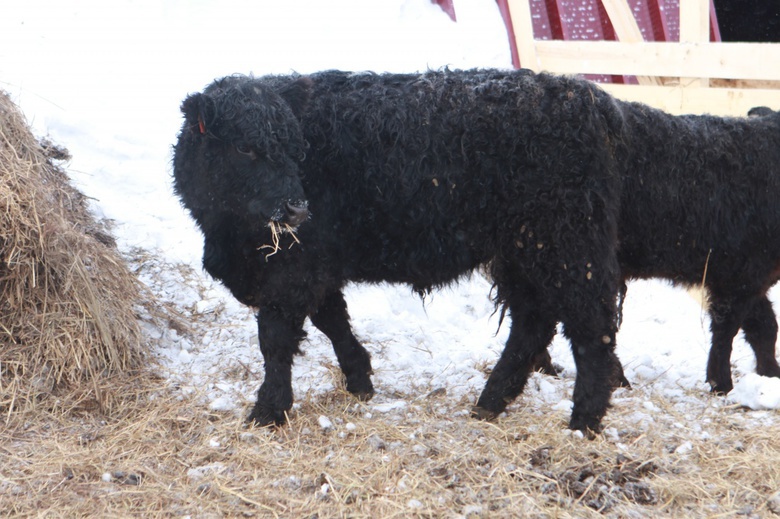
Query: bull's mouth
point(285, 221)
point(277, 230)
point(291, 213)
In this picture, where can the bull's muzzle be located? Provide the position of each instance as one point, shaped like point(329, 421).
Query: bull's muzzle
point(295, 214)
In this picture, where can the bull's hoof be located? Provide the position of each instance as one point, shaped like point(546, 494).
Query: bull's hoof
point(542, 363)
point(481, 413)
point(622, 381)
point(363, 396)
point(768, 371)
point(722, 389)
point(361, 388)
point(589, 426)
point(267, 417)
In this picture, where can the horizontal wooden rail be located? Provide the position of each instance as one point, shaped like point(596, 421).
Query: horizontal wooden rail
point(751, 61)
point(681, 100)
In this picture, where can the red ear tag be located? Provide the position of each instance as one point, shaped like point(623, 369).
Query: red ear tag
point(201, 126)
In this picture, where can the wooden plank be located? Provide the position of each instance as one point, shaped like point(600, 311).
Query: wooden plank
point(627, 30)
point(718, 60)
point(695, 28)
point(694, 21)
point(520, 13)
point(716, 101)
point(623, 21)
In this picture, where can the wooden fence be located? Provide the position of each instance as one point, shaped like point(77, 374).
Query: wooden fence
point(690, 76)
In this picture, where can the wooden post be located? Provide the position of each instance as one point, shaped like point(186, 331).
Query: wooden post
point(694, 28)
point(520, 13)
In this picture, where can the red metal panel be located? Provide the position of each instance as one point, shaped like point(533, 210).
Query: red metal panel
point(510, 30)
point(649, 19)
point(549, 11)
point(670, 17)
point(447, 7)
point(714, 27)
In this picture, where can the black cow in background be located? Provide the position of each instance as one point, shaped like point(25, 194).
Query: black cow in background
point(748, 20)
point(701, 207)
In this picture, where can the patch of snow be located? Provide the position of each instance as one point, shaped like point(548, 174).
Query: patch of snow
point(222, 403)
point(325, 422)
point(564, 405)
point(414, 504)
point(390, 406)
point(684, 448)
point(756, 392)
point(204, 470)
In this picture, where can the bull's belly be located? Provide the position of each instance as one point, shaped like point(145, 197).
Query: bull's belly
point(420, 264)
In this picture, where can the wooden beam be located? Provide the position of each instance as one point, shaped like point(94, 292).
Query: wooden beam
point(520, 13)
point(718, 60)
point(623, 21)
point(694, 21)
point(734, 102)
point(627, 30)
point(695, 28)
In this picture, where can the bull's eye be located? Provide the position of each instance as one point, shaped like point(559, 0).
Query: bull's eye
point(243, 149)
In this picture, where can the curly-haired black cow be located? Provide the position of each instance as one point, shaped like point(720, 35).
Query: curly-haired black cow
point(701, 206)
point(416, 179)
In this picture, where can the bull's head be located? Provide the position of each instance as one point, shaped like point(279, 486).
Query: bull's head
point(240, 149)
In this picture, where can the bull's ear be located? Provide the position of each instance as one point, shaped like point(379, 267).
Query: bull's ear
point(297, 94)
point(198, 112)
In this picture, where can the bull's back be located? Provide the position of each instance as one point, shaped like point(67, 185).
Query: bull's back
point(697, 189)
point(427, 176)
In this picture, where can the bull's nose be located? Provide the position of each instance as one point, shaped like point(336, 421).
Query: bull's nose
point(296, 214)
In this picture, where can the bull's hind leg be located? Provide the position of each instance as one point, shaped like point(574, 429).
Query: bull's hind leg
point(543, 364)
point(531, 331)
point(280, 333)
point(332, 319)
point(592, 343)
point(726, 317)
point(760, 327)
point(589, 317)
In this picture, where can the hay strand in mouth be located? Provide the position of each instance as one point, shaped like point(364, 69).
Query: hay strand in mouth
point(277, 229)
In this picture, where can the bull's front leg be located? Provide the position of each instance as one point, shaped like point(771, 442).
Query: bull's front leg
point(531, 331)
point(280, 333)
point(332, 319)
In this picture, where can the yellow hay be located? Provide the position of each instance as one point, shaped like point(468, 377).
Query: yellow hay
point(66, 296)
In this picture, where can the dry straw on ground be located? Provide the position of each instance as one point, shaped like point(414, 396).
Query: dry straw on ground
point(68, 323)
point(171, 457)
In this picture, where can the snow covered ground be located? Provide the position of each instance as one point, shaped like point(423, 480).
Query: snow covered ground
point(105, 80)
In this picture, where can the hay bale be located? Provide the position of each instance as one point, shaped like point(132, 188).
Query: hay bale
point(67, 299)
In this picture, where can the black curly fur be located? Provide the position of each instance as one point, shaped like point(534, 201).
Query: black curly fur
point(701, 205)
point(416, 179)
